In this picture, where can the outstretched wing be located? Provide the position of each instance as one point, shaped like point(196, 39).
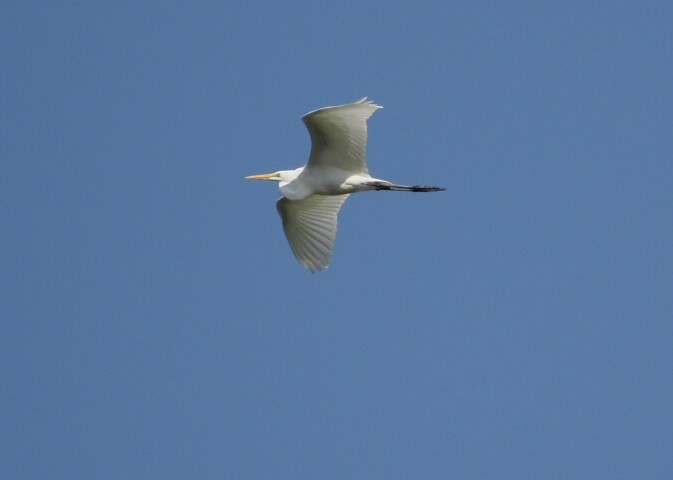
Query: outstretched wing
point(339, 136)
point(310, 226)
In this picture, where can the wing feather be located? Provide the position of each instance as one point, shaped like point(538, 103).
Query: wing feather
point(339, 136)
point(310, 226)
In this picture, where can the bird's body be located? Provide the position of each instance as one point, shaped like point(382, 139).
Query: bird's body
point(312, 195)
point(303, 182)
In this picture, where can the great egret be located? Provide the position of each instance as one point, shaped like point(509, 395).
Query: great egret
point(313, 194)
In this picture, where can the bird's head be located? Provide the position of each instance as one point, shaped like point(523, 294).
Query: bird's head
point(280, 176)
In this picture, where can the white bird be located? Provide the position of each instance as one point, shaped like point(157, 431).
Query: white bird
point(313, 194)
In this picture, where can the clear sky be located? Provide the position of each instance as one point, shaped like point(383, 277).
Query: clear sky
point(156, 325)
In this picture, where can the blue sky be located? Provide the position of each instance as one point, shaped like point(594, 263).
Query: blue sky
point(156, 325)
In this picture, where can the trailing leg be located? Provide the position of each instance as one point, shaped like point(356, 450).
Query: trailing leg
point(404, 188)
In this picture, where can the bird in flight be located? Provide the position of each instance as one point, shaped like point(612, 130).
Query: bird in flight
point(312, 195)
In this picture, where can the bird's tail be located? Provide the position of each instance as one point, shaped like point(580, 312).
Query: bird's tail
point(404, 188)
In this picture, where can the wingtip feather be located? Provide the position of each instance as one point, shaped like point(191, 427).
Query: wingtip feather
point(366, 101)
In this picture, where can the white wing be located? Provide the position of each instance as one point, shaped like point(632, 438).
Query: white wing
point(310, 226)
point(339, 135)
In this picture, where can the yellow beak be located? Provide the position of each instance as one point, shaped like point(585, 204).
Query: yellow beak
point(265, 176)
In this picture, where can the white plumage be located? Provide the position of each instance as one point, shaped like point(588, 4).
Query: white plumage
point(314, 194)
point(310, 226)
